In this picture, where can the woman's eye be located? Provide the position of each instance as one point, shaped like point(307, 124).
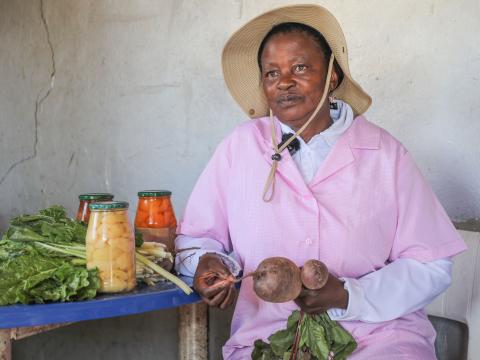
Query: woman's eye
point(300, 68)
point(271, 74)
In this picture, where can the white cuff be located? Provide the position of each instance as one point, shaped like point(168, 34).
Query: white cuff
point(355, 301)
point(186, 261)
point(399, 288)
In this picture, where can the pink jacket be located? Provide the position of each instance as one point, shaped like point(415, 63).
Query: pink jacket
point(367, 205)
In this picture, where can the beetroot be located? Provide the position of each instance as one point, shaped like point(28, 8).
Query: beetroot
point(277, 280)
point(314, 274)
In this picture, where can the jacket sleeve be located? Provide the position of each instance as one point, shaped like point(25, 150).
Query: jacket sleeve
point(424, 231)
point(205, 221)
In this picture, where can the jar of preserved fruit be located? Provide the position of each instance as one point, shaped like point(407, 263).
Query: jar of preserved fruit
point(110, 246)
point(83, 212)
point(155, 218)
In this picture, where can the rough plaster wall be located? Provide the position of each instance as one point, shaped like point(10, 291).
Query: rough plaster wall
point(120, 96)
point(126, 95)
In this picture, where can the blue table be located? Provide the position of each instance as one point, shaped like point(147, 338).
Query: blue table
point(145, 298)
point(161, 296)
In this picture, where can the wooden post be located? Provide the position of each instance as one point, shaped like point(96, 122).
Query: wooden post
point(5, 345)
point(193, 332)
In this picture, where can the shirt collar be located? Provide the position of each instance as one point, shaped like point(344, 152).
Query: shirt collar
point(342, 119)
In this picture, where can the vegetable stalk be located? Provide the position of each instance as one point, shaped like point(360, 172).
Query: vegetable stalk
point(77, 252)
point(182, 285)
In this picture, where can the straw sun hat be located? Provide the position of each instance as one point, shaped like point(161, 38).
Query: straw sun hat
point(239, 58)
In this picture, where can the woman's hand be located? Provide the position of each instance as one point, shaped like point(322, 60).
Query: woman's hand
point(213, 281)
point(331, 295)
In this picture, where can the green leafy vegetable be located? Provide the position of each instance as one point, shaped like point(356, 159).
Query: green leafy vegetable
point(310, 337)
point(41, 260)
point(51, 225)
point(138, 239)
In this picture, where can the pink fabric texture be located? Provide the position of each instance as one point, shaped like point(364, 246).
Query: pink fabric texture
point(367, 205)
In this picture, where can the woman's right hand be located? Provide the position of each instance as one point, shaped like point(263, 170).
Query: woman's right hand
point(213, 281)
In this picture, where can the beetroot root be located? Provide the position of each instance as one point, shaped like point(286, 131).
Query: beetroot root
point(314, 274)
point(277, 280)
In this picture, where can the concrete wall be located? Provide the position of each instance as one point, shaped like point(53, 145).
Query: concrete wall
point(125, 95)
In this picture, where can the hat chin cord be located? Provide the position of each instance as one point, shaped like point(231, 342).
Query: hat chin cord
point(269, 187)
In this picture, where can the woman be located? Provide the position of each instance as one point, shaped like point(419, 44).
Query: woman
point(346, 192)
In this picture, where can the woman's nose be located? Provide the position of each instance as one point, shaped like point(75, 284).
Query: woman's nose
point(285, 82)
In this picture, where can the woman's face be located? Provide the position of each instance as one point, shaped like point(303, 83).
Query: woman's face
point(293, 77)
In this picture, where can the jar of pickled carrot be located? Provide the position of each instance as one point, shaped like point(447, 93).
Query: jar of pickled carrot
point(155, 218)
point(83, 212)
point(110, 246)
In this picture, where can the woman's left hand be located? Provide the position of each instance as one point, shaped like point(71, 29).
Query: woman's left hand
point(331, 295)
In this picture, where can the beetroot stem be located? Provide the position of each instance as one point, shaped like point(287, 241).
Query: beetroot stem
point(293, 354)
point(244, 276)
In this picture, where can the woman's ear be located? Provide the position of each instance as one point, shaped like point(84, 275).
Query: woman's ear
point(334, 80)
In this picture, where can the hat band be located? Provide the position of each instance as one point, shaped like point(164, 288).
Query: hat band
point(270, 183)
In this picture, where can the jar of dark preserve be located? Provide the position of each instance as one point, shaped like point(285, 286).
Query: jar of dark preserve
point(83, 212)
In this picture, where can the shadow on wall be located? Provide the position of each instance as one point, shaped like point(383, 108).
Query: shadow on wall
point(219, 331)
point(148, 336)
point(458, 193)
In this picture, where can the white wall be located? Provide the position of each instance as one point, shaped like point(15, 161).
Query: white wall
point(138, 100)
point(122, 95)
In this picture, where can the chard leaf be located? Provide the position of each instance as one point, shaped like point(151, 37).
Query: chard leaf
point(32, 277)
point(319, 336)
point(281, 341)
point(32, 273)
point(293, 319)
point(313, 336)
point(23, 234)
point(342, 343)
point(263, 351)
point(56, 212)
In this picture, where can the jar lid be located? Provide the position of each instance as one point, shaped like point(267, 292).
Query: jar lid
point(108, 205)
point(149, 193)
point(96, 196)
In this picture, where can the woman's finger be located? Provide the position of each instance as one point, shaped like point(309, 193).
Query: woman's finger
point(229, 298)
point(218, 299)
point(299, 302)
point(305, 293)
point(212, 290)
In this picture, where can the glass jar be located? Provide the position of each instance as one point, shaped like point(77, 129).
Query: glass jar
point(110, 246)
point(83, 212)
point(155, 218)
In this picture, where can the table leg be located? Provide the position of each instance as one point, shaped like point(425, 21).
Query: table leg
point(5, 345)
point(193, 332)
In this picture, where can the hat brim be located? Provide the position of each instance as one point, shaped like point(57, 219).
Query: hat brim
point(239, 57)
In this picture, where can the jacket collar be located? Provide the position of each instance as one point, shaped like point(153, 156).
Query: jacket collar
point(361, 135)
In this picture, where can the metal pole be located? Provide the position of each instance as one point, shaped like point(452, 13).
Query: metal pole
point(193, 332)
point(5, 345)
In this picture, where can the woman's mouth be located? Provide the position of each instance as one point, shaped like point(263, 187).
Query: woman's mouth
point(288, 100)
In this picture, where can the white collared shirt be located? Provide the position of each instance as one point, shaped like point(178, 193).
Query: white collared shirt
point(311, 155)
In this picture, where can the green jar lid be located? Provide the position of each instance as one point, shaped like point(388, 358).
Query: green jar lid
point(96, 196)
point(108, 205)
point(149, 193)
